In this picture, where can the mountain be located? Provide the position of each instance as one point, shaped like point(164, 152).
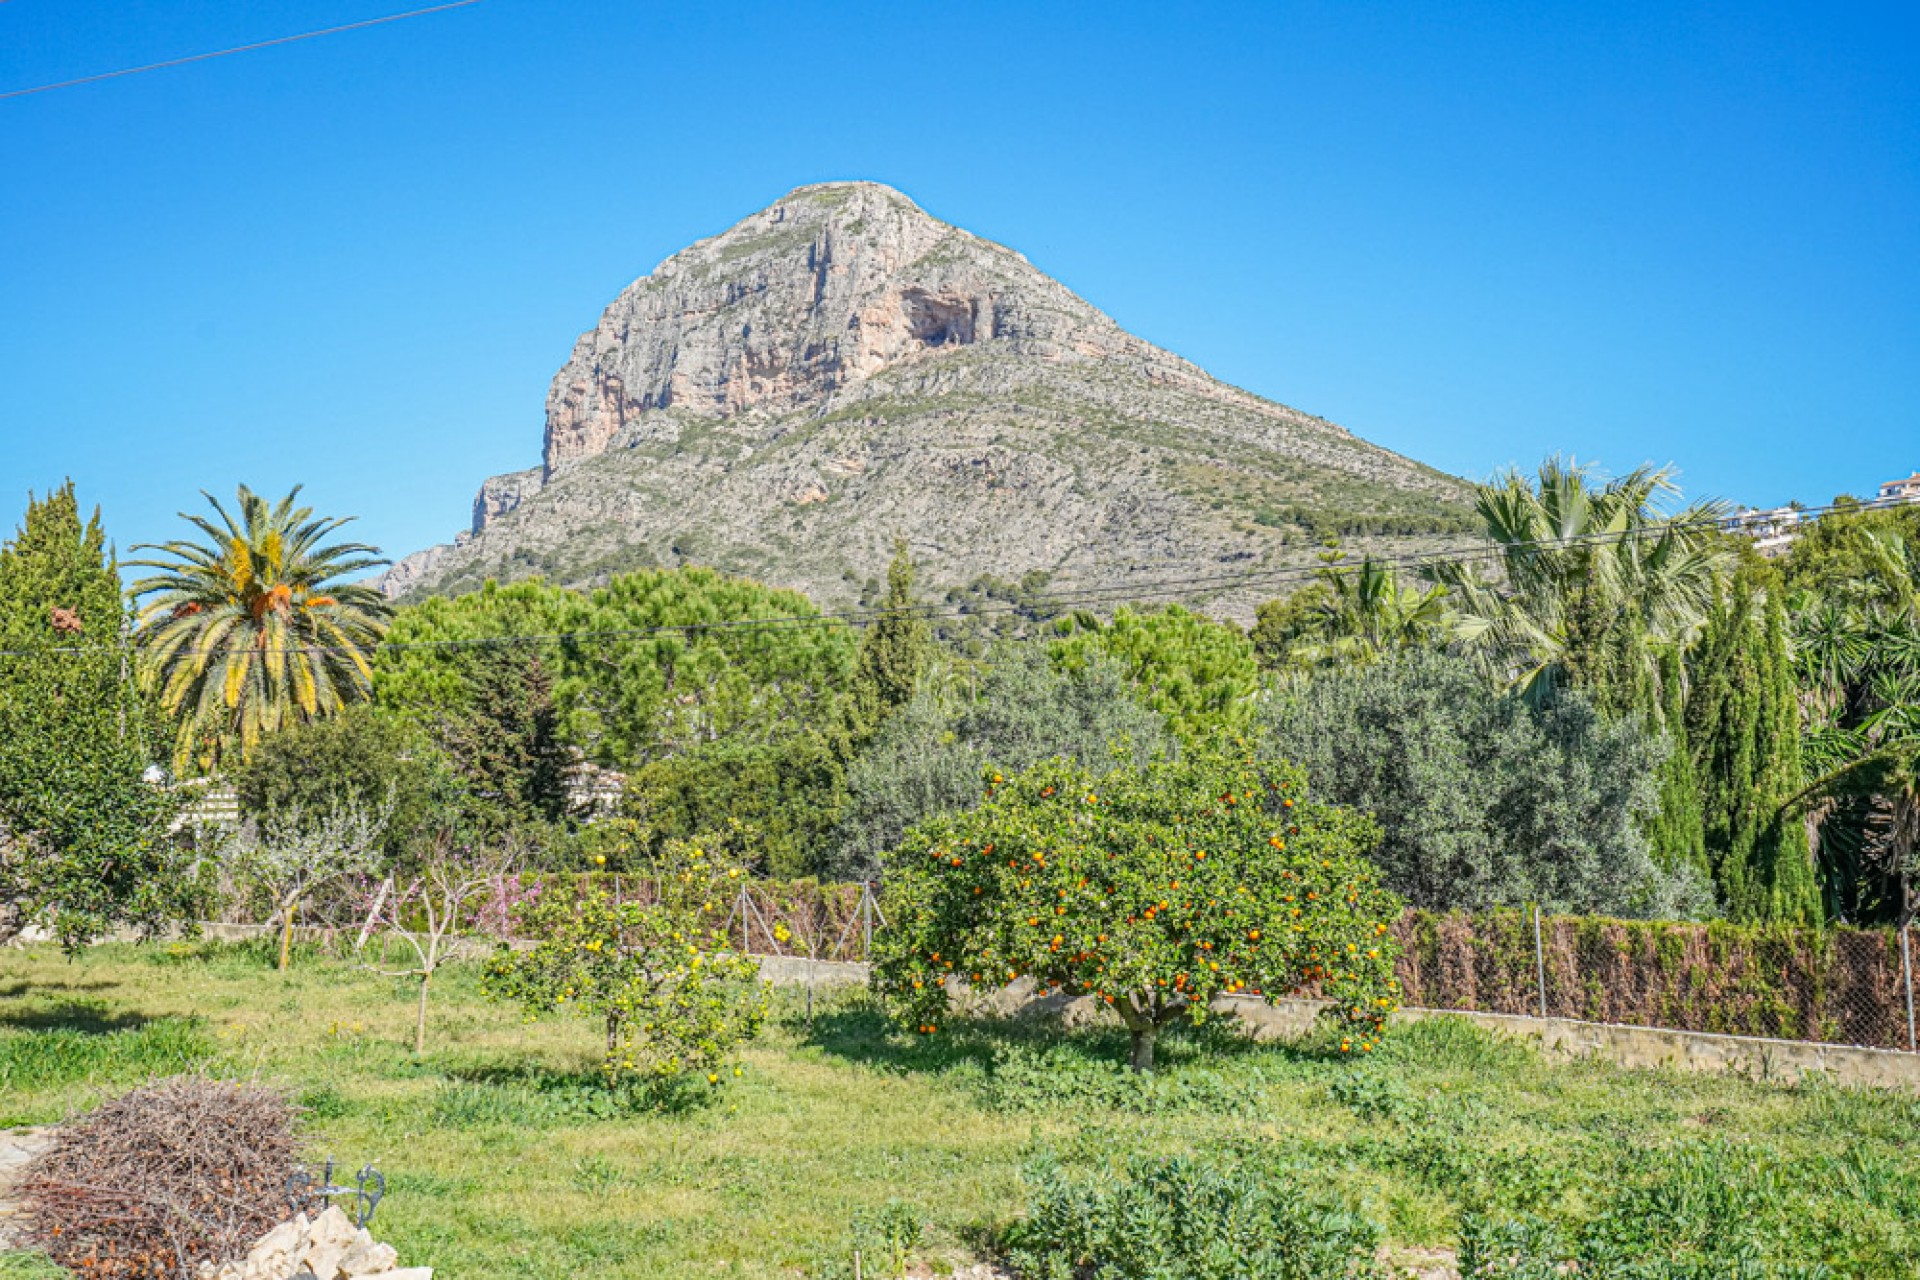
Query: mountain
point(786, 398)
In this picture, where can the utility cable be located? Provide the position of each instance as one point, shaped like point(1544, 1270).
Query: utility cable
point(244, 48)
point(1482, 552)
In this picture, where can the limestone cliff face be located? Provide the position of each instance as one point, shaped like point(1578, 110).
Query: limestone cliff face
point(784, 398)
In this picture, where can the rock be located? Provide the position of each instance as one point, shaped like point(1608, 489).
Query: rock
point(368, 1259)
point(408, 1273)
point(786, 397)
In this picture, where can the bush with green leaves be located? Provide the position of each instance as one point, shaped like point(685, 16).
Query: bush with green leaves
point(1153, 889)
point(1484, 799)
point(357, 757)
point(1702, 1211)
point(675, 1000)
point(788, 791)
point(930, 756)
point(1190, 1217)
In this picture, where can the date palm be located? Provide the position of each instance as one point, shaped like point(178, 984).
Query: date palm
point(249, 627)
point(1594, 581)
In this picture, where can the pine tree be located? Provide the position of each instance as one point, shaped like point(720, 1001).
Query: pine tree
point(894, 651)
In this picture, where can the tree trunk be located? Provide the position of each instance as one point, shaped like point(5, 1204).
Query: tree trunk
point(420, 1014)
point(286, 933)
point(1141, 1058)
point(613, 1048)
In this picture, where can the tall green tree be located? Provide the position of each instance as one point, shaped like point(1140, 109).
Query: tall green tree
point(83, 836)
point(651, 665)
point(1484, 798)
point(1742, 728)
point(895, 649)
point(1857, 627)
point(253, 626)
point(1598, 587)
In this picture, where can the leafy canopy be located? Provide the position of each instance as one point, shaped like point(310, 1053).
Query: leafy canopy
point(626, 690)
point(1152, 889)
point(1484, 799)
point(930, 756)
point(1198, 673)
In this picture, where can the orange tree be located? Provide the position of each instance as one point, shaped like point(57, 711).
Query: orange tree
point(674, 996)
point(1153, 889)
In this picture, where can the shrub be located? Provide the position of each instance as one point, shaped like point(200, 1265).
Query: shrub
point(674, 997)
point(1186, 1217)
point(1154, 890)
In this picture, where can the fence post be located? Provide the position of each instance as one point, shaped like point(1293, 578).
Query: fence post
point(1539, 960)
point(1906, 977)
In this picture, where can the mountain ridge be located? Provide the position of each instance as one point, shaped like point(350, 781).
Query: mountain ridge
point(784, 398)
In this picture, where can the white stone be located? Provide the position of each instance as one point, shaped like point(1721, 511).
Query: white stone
point(369, 1259)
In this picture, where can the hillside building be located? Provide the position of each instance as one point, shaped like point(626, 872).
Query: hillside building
point(1907, 490)
point(1772, 530)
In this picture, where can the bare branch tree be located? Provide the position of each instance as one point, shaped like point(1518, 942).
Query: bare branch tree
point(296, 854)
point(445, 894)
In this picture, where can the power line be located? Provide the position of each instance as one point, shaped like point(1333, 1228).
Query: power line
point(244, 48)
point(1186, 585)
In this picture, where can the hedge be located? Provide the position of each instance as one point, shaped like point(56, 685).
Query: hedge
point(1837, 986)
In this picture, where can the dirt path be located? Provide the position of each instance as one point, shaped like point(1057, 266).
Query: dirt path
point(17, 1146)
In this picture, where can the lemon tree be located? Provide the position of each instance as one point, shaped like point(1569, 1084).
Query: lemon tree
point(675, 997)
point(1154, 890)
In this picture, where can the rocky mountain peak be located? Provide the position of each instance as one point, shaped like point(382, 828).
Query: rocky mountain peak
point(821, 290)
point(842, 368)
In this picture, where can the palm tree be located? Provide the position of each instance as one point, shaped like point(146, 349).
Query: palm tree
point(1595, 582)
point(250, 628)
point(1368, 612)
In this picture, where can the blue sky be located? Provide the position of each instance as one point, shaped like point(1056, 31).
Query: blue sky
point(1473, 233)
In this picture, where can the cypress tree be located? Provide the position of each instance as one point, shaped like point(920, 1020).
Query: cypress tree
point(1743, 728)
point(1677, 829)
point(894, 650)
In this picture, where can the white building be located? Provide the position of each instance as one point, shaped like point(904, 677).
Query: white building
point(1907, 490)
point(1772, 529)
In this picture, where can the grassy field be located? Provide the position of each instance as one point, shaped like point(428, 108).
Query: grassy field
point(501, 1160)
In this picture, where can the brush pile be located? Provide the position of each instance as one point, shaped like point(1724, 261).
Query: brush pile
point(163, 1178)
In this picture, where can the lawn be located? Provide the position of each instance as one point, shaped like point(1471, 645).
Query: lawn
point(502, 1161)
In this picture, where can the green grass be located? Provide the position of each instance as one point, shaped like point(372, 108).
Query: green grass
point(502, 1158)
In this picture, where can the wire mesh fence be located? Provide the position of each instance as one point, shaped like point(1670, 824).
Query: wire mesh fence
point(1833, 986)
point(1839, 986)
